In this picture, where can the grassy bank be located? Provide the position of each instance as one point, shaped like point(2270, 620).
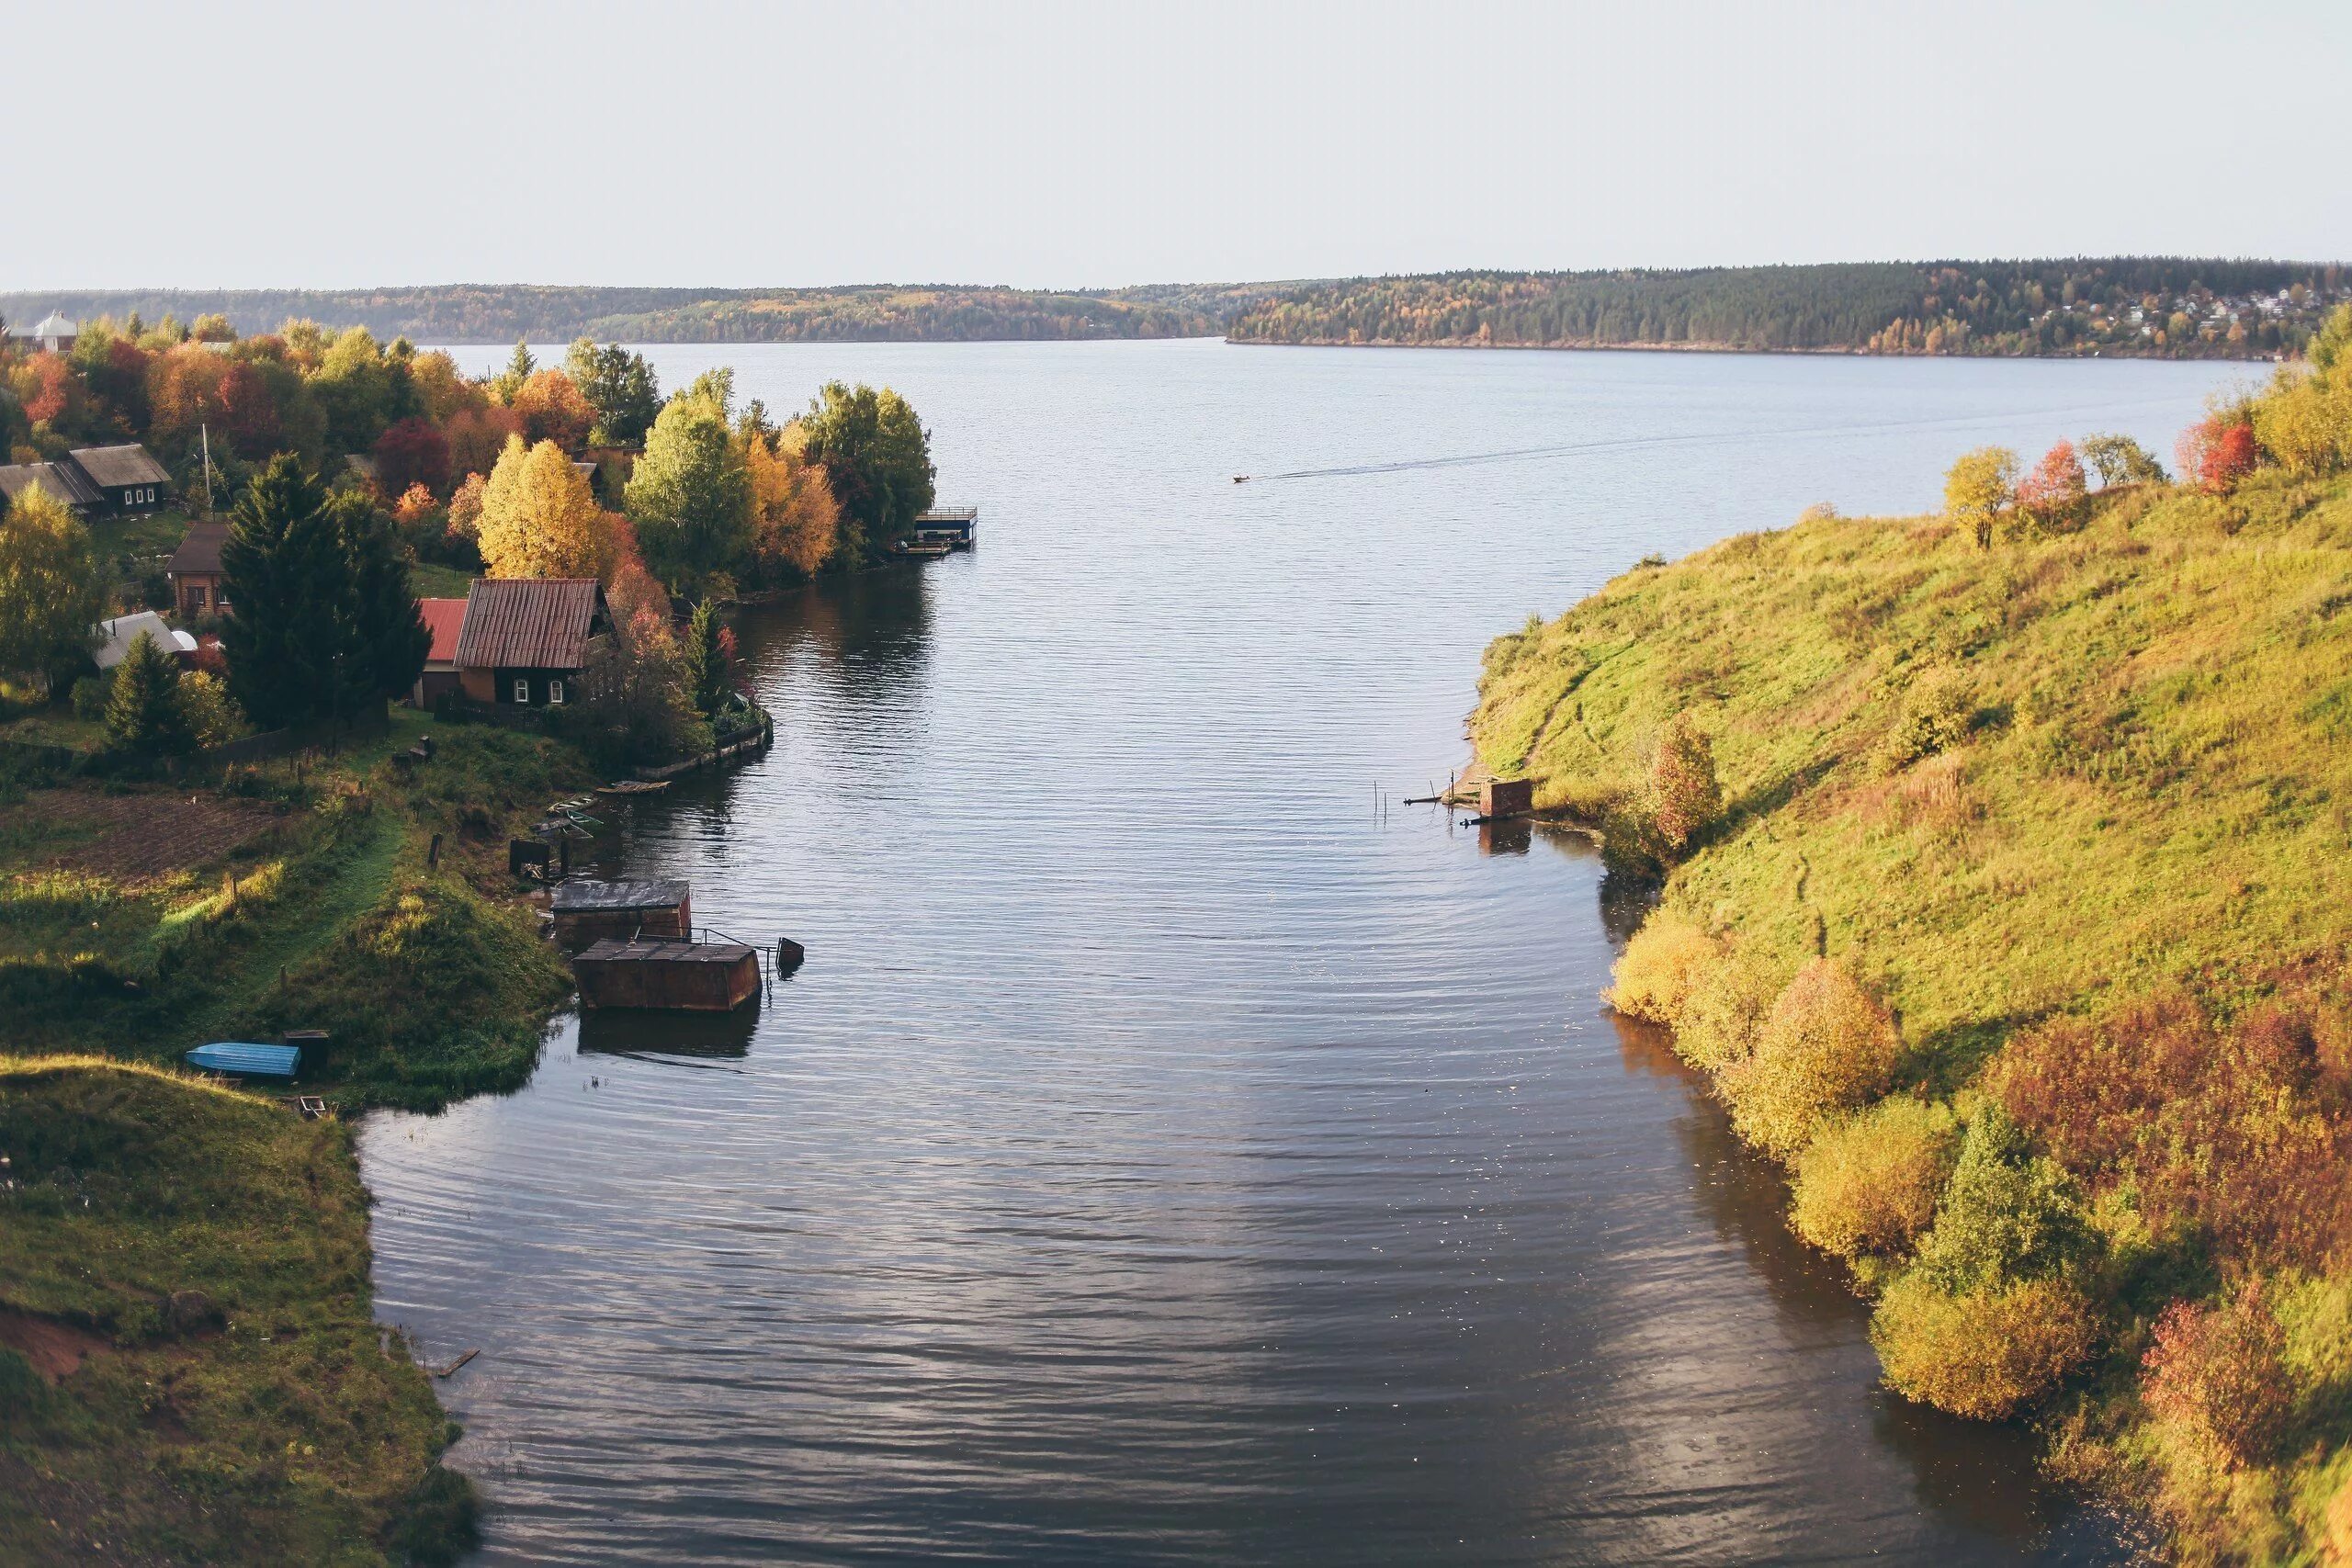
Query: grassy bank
point(189, 1368)
point(2020, 933)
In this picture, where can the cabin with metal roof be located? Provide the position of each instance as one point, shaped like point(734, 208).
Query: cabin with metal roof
point(199, 585)
point(587, 911)
point(123, 630)
point(526, 640)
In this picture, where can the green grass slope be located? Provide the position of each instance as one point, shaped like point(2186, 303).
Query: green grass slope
point(2074, 811)
point(189, 1368)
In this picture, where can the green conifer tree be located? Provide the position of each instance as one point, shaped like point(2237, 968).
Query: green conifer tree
point(143, 712)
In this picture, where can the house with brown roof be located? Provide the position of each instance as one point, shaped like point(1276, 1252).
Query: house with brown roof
point(195, 571)
point(526, 641)
point(445, 618)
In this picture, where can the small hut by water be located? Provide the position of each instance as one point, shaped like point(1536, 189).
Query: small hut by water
point(588, 911)
point(692, 976)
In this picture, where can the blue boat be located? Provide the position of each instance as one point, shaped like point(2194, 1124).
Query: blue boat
point(246, 1060)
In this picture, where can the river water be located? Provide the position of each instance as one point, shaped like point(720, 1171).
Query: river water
point(1165, 1156)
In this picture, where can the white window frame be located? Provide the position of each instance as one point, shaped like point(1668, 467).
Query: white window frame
point(522, 690)
point(555, 693)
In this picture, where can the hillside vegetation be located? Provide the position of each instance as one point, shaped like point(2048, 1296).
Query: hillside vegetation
point(189, 1367)
point(2005, 898)
point(2162, 306)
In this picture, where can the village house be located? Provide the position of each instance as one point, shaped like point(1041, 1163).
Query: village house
point(197, 581)
point(445, 619)
point(526, 641)
point(52, 334)
point(103, 481)
point(119, 633)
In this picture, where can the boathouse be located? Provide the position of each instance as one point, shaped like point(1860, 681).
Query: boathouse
point(951, 526)
point(588, 911)
point(692, 977)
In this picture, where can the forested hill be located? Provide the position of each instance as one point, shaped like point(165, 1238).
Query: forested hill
point(2161, 306)
point(506, 312)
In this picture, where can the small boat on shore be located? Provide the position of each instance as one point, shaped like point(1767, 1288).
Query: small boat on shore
point(916, 550)
point(634, 787)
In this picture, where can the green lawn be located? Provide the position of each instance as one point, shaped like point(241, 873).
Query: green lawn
point(429, 580)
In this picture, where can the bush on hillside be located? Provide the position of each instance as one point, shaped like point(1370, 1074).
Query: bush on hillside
point(1684, 797)
point(1937, 710)
point(1664, 963)
point(1868, 1186)
point(1984, 1353)
point(1724, 1014)
point(2006, 1213)
point(2221, 1372)
point(1825, 1048)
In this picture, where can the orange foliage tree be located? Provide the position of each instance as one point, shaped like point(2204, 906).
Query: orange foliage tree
point(2215, 454)
point(795, 520)
point(2056, 488)
point(553, 408)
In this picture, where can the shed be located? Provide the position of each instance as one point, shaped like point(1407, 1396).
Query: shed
point(692, 976)
point(247, 1060)
point(586, 911)
point(124, 630)
point(198, 582)
point(1506, 797)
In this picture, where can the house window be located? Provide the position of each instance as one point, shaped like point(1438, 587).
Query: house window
point(555, 692)
point(523, 689)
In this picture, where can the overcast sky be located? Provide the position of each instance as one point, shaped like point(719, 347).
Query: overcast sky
point(1068, 145)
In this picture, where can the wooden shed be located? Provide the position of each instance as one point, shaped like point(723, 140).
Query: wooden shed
point(694, 976)
point(588, 911)
point(1506, 797)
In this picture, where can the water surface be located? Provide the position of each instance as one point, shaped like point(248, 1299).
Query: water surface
point(1166, 1154)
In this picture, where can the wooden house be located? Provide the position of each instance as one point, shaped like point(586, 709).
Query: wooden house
point(197, 581)
point(64, 483)
point(52, 334)
point(125, 479)
point(526, 641)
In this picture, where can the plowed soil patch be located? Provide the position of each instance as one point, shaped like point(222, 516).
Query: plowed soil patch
point(131, 839)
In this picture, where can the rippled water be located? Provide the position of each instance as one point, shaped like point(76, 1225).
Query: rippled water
point(1165, 1156)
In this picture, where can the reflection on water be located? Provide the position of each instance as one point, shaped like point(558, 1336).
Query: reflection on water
point(1163, 1157)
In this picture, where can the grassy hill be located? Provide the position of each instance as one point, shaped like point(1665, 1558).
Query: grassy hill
point(2029, 892)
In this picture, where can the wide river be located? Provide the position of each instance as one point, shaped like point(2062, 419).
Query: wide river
point(1164, 1156)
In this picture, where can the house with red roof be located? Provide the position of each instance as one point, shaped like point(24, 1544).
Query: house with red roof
point(445, 618)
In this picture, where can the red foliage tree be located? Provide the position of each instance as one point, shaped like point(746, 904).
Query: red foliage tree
point(2216, 454)
point(412, 451)
point(49, 387)
point(477, 436)
point(2057, 488)
point(2223, 1370)
point(249, 411)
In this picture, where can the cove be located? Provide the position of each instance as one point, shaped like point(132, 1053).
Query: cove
point(1165, 1156)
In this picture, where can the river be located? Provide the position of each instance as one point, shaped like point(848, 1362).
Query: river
point(1166, 1154)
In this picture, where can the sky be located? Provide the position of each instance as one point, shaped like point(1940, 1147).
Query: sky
point(1053, 145)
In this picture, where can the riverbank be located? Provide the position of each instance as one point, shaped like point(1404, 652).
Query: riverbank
point(263, 1417)
point(2023, 906)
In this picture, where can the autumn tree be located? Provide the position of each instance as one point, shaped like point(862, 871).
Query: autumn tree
point(621, 387)
point(690, 497)
point(442, 391)
point(2215, 453)
point(553, 408)
point(213, 328)
point(1978, 487)
point(358, 390)
point(412, 451)
point(877, 456)
point(477, 436)
point(2054, 493)
point(1684, 797)
point(539, 516)
point(519, 367)
point(795, 520)
point(2118, 459)
point(50, 593)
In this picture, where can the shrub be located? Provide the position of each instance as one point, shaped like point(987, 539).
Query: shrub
point(2215, 454)
point(2008, 1213)
point(1727, 1005)
point(1826, 1046)
point(1937, 710)
point(210, 713)
point(1684, 797)
point(2221, 1372)
point(90, 694)
point(2118, 459)
point(1867, 1185)
point(1666, 961)
point(2054, 493)
point(1984, 1353)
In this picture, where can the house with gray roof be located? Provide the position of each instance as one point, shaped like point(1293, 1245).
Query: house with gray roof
point(98, 481)
point(52, 334)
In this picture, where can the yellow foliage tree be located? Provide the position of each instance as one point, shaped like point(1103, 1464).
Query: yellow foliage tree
point(1979, 486)
point(1825, 1048)
point(1867, 1185)
point(539, 516)
point(796, 522)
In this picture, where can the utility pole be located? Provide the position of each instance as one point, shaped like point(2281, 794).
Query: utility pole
point(205, 429)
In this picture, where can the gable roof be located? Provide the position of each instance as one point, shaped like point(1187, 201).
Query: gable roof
point(60, 481)
point(445, 618)
point(112, 467)
point(529, 623)
point(200, 552)
point(124, 630)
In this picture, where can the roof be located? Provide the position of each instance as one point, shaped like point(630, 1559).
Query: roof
point(949, 514)
point(116, 466)
point(123, 630)
point(635, 893)
point(650, 950)
point(200, 552)
point(444, 619)
point(529, 623)
point(59, 481)
point(238, 1056)
point(55, 325)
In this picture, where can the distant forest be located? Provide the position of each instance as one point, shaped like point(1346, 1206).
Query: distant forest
point(2159, 306)
point(463, 313)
